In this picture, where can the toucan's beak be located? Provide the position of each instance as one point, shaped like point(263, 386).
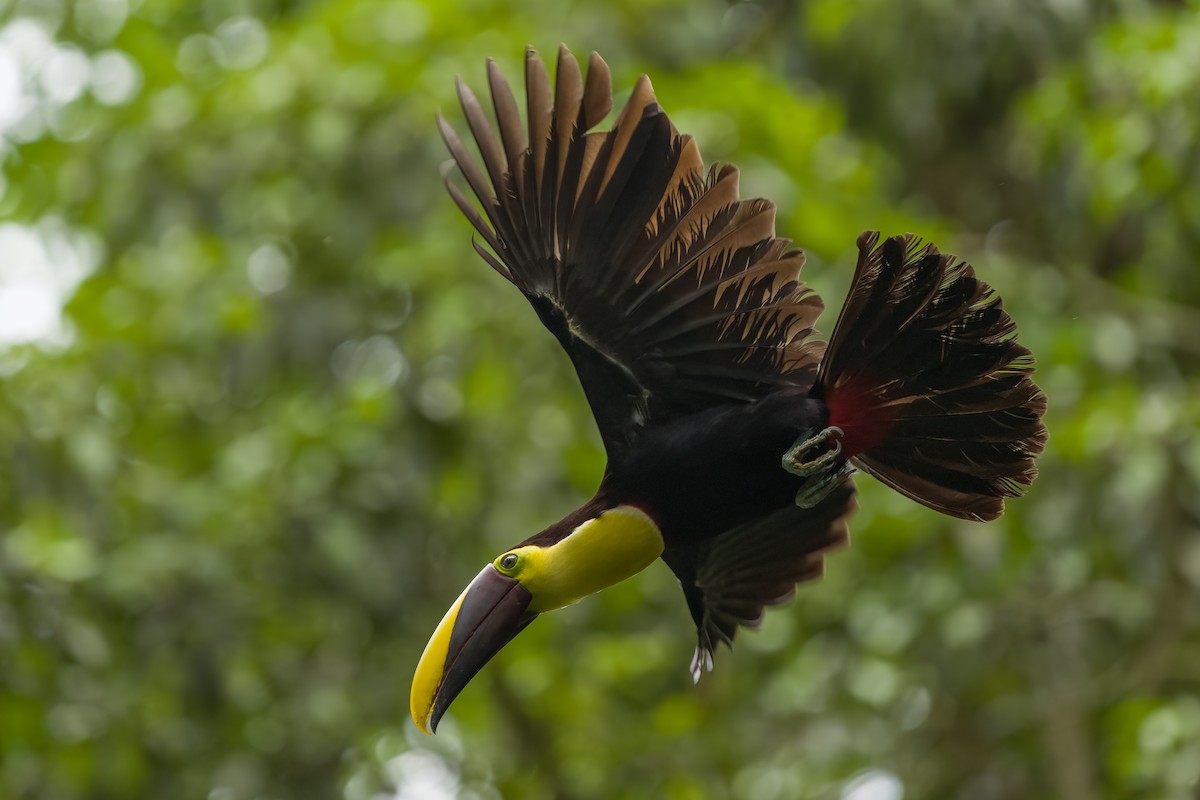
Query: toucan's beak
point(487, 615)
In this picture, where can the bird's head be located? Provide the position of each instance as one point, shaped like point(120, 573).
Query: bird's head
point(565, 563)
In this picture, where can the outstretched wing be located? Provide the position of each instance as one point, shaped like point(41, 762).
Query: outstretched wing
point(668, 292)
point(729, 580)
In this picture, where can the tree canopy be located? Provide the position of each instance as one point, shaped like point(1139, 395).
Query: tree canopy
point(263, 411)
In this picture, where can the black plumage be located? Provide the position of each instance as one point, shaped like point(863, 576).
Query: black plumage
point(669, 293)
point(691, 333)
point(926, 360)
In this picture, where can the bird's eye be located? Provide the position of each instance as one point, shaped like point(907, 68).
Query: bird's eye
point(509, 561)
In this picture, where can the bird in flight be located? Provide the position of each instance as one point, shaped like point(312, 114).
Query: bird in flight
point(731, 432)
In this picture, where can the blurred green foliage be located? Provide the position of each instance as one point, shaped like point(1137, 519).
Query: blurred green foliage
point(291, 413)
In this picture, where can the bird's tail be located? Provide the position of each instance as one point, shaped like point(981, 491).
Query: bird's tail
point(925, 378)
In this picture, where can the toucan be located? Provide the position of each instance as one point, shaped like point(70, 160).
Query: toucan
point(731, 432)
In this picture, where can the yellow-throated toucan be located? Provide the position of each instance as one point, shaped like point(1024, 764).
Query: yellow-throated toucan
point(731, 433)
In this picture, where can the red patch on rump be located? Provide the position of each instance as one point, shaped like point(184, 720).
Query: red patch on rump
point(857, 409)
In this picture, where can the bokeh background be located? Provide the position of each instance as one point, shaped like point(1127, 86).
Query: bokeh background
point(263, 412)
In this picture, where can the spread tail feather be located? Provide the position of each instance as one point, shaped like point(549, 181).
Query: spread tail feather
point(925, 377)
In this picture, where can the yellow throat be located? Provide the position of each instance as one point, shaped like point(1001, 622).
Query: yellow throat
point(605, 550)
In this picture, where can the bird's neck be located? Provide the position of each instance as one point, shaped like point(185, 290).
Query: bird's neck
point(604, 550)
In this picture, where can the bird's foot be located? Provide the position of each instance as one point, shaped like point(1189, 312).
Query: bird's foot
point(804, 458)
point(821, 471)
point(817, 487)
point(702, 661)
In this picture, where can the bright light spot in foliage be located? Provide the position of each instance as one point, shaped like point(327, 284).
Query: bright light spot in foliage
point(40, 78)
point(100, 20)
point(1160, 730)
point(269, 269)
point(373, 364)
point(241, 43)
point(27, 312)
point(65, 75)
point(10, 88)
point(40, 267)
point(28, 41)
point(115, 78)
point(875, 784)
point(421, 775)
point(23, 47)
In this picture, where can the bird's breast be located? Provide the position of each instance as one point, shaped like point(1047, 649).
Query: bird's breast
point(702, 474)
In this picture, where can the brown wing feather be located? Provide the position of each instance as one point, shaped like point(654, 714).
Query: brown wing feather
point(669, 293)
point(739, 573)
